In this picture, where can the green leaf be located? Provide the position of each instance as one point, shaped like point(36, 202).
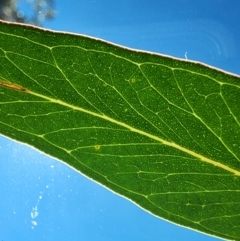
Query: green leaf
point(160, 131)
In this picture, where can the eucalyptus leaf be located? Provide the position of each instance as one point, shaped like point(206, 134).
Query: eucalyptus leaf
point(159, 131)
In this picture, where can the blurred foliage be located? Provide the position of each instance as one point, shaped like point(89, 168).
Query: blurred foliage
point(40, 10)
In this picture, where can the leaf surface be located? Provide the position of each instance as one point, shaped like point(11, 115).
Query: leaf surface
point(159, 131)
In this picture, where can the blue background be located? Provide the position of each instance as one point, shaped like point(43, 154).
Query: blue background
point(43, 199)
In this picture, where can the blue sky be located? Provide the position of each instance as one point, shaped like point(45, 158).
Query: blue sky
point(42, 199)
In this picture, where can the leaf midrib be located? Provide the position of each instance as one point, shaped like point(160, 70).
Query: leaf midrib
point(153, 137)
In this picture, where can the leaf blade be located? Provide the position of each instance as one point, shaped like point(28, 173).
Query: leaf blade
point(154, 129)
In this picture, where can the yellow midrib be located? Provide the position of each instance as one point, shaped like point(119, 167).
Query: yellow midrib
point(167, 143)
